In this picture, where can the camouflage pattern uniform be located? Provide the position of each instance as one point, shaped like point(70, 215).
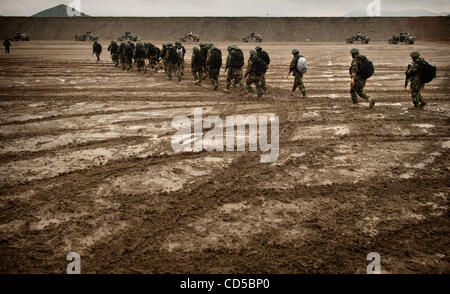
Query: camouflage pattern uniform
point(182, 52)
point(234, 73)
point(164, 56)
point(298, 81)
point(97, 50)
point(128, 57)
point(252, 77)
point(171, 65)
point(122, 54)
point(262, 54)
point(114, 50)
point(416, 83)
point(140, 55)
point(358, 83)
point(197, 66)
point(213, 70)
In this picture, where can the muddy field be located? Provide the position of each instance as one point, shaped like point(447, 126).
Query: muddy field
point(86, 165)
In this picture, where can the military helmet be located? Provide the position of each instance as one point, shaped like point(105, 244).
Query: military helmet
point(177, 43)
point(235, 46)
point(354, 51)
point(415, 54)
point(257, 48)
point(195, 49)
point(202, 45)
point(253, 52)
point(229, 48)
point(295, 51)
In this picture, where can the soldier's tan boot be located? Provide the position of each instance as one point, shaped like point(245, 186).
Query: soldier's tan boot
point(371, 103)
point(422, 104)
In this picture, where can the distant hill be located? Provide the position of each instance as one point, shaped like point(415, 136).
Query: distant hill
point(408, 12)
point(58, 11)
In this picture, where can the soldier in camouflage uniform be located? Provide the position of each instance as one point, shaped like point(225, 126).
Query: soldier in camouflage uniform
point(140, 55)
point(113, 48)
point(122, 54)
point(415, 78)
point(164, 56)
point(358, 83)
point(128, 57)
point(264, 56)
point(197, 66)
point(97, 50)
point(298, 82)
point(252, 76)
point(213, 68)
point(172, 64)
point(234, 72)
point(181, 52)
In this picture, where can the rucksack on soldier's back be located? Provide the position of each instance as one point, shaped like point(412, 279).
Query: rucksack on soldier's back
point(173, 55)
point(260, 66)
point(366, 70)
point(302, 65)
point(215, 60)
point(237, 59)
point(427, 72)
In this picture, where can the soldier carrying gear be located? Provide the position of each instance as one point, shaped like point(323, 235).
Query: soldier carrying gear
point(197, 66)
point(122, 54)
point(235, 62)
point(164, 56)
point(97, 50)
point(213, 64)
point(358, 80)
point(113, 48)
point(256, 68)
point(140, 55)
point(181, 51)
point(128, 56)
point(204, 51)
point(415, 75)
point(153, 55)
point(7, 45)
point(298, 82)
point(264, 56)
point(172, 60)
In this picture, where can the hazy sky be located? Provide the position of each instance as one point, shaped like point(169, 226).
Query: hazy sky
point(219, 7)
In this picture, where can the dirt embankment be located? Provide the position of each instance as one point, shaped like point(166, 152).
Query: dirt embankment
point(229, 28)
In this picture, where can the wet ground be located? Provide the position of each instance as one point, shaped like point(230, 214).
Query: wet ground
point(86, 165)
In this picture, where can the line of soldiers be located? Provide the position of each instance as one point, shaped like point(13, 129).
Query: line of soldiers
point(206, 62)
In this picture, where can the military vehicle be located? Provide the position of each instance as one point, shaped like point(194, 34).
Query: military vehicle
point(403, 38)
point(88, 36)
point(190, 36)
point(252, 37)
point(358, 38)
point(21, 37)
point(128, 37)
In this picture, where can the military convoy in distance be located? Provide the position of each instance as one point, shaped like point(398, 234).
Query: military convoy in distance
point(128, 37)
point(404, 38)
point(88, 36)
point(21, 37)
point(190, 36)
point(251, 37)
point(358, 38)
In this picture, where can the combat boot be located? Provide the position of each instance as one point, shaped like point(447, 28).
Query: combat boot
point(422, 104)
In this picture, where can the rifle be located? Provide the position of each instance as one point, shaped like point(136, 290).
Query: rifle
point(408, 76)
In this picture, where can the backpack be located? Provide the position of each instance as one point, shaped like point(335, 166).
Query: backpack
point(366, 70)
point(260, 66)
point(264, 56)
point(302, 65)
point(128, 51)
point(427, 72)
point(237, 59)
point(173, 55)
point(215, 60)
point(199, 61)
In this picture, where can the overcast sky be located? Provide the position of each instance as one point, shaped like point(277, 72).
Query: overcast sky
point(219, 7)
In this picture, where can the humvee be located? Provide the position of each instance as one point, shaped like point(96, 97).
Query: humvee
point(403, 38)
point(128, 37)
point(252, 37)
point(358, 38)
point(88, 36)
